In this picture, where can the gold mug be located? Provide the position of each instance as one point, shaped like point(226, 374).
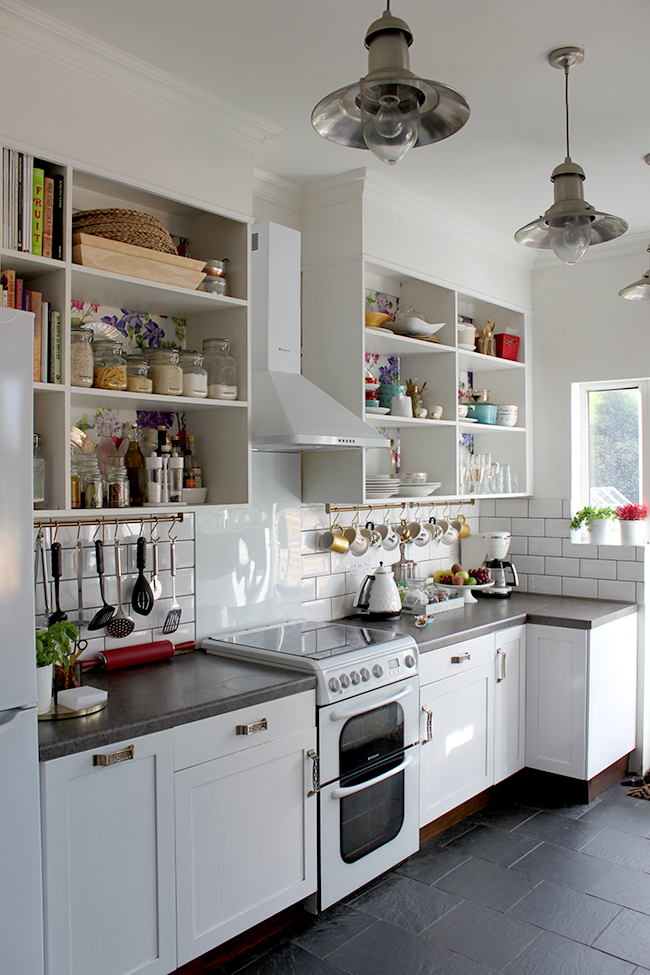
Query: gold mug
point(334, 540)
point(461, 527)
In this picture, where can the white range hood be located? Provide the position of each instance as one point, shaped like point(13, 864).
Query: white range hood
point(289, 413)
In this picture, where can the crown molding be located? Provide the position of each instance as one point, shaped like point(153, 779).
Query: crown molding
point(276, 189)
point(58, 43)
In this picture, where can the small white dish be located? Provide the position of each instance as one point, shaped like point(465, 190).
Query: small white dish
point(469, 419)
point(418, 490)
point(415, 326)
point(380, 410)
point(466, 348)
point(195, 495)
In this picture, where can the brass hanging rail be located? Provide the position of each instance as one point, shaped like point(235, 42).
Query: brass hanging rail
point(141, 519)
point(329, 508)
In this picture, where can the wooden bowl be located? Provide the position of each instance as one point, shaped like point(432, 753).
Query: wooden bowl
point(375, 319)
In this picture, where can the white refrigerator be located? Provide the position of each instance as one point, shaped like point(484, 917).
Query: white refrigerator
point(21, 912)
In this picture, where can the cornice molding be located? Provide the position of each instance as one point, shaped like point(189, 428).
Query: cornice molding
point(276, 189)
point(59, 43)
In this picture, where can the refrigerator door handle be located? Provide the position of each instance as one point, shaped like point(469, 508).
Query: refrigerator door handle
point(7, 718)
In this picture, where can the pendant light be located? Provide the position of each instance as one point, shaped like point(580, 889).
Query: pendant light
point(571, 224)
point(391, 110)
point(641, 288)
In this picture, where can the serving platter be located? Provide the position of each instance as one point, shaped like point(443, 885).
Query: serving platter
point(464, 591)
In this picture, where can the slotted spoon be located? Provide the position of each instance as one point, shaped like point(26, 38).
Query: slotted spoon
point(142, 596)
point(120, 625)
point(174, 615)
point(104, 614)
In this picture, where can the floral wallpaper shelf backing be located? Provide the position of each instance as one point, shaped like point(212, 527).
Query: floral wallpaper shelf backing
point(141, 329)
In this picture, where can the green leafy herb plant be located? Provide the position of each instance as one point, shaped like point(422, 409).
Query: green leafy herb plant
point(57, 645)
point(588, 514)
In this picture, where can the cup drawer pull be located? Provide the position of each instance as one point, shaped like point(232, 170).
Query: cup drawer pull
point(252, 729)
point(461, 660)
point(125, 755)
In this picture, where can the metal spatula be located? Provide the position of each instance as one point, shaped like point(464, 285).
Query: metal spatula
point(104, 614)
point(174, 615)
point(120, 625)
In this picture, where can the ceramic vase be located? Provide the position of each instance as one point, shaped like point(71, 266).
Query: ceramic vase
point(600, 532)
point(44, 678)
point(633, 532)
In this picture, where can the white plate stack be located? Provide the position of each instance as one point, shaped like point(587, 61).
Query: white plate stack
point(507, 416)
point(381, 486)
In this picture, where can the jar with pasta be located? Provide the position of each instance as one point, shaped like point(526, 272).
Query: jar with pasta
point(81, 358)
point(165, 372)
point(110, 364)
point(137, 374)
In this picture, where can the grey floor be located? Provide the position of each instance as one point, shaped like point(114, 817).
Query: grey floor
point(520, 890)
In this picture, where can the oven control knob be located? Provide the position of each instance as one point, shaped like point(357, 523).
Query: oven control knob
point(345, 680)
point(365, 674)
point(409, 660)
point(355, 677)
point(378, 671)
point(334, 684)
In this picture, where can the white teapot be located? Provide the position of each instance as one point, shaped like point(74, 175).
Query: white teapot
point(378, 595)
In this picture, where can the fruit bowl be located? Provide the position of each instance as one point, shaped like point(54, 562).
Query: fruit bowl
point(464, 591)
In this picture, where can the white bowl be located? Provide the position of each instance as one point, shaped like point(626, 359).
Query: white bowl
point(506, 421)
point(195, 495)
point(415, 326)
point(462, 410)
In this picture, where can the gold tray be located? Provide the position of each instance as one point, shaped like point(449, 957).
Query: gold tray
point(59, 711)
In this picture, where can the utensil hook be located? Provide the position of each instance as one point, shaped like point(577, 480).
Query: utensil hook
point(172, 538)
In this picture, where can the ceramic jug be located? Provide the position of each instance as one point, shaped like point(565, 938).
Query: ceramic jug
point(378, 595)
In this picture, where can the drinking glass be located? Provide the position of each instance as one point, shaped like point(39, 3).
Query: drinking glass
point(506, 480)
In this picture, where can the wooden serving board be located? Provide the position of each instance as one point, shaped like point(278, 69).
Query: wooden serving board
point(136, 262)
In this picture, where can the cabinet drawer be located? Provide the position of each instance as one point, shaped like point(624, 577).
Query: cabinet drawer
point(455, 659)
point(203, 741)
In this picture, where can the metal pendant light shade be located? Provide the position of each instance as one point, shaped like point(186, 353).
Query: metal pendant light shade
point(391, 110)
point(571, 224)
point(640, 289)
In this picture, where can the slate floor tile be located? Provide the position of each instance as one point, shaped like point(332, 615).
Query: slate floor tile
point(488, 937)
point(619, 793)
point(493, 844)
point(504, 817)
point(459, 965)
point(574, 811)
point(624, 848)
point(331, 929)
point(487, 883)
point(384, 949)
point(289, 959)
point(553, 955)
point(406, 903)
point(569, 833)
point(628, 937)
point(565, 867)
point(626, 819)
point(430, 863)
point(570, 913)
point(624, 886)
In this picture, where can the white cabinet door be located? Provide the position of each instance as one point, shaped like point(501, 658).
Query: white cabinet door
point(108, 838)
point(245, 840)
point(611, 702)
point(458, 760)
point(509, 702)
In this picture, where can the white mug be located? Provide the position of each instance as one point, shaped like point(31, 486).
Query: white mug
point(449, 533)
point(434, 530)
point(391, 539)
point(419, 533)
point(372, 534)
point(401, 406)
point(358, 544)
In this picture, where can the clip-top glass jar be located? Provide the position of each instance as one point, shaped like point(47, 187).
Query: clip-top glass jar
point(81, 358)
point(195, 377)
point(137, 374)
point(215, 277)
point(222, 369)
point(165, 372)
point(109, 364)
point(118, 487)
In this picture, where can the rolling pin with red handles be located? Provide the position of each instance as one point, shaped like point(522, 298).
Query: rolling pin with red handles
point(142, 653)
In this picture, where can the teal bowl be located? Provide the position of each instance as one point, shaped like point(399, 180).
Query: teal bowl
point(483, 412)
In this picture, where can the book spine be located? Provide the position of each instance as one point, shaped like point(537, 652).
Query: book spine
point(18, 295)
point(6, 168)
point(37, 224)
point(45, 325)
point(5, 298)
point(48, 215)
point(28, 204)
point(27, 300)
point(36, 309)
point(9, 282)
point(19, 209)
point(12, 203)
point(57, 342)
point(57, 220)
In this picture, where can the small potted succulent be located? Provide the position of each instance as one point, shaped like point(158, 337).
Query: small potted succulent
point(632, 520)
point(598, 522)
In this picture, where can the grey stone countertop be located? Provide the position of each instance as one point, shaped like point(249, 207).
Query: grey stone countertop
point(489, 615)
point(153, 697)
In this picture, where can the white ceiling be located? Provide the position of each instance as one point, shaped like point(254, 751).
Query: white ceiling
point(278, 58)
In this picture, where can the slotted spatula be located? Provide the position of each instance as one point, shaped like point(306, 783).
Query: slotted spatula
point(174, 615)
point(142, 596)
point(58, 616)
point(105, 613)
point(120, 625)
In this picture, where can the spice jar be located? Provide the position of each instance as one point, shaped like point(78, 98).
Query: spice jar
point(175, 480)
point(81, 358)
point(195, 377)
point(153, 466)
point(110, 364)
point(165, 372)
point(222, 369)
point(118, 487)
point(137, 374)
point(215, 277)
point(91, 482)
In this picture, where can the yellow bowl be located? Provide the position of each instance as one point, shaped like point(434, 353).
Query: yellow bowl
point(375, 319)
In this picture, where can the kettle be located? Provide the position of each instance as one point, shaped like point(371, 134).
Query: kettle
point(378, 596)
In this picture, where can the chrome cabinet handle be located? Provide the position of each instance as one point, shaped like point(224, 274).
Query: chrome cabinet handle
point(429, 714)
point(125, 755)
point(315, 772)
point(502, 655)
point(461, 660)
point(252, 729)
point(350, 790)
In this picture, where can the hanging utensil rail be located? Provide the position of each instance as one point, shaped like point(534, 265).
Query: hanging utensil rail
point(73, 523)
point(403, 504)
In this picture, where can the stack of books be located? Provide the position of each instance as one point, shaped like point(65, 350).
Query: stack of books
point(32, 206)
point(48, 335)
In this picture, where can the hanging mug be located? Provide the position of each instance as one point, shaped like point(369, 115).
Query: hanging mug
point(461, 526)
point(356, 541)
point(372, 534)
point(391, 539)
point(419, 534)
point(449, 533)
point(334, 540)
point(434, 529)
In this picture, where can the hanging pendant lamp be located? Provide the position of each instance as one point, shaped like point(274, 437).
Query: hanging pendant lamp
point(391, 110)
point(640, 289)
point(571, 224)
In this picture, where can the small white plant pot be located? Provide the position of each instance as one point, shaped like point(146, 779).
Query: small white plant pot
point(633, 532)
point(44, 678)
point(600, 531)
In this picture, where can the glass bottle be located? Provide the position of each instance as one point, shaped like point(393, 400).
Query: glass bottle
point(222, 369)
point(191, 470)
point(165, 372)
point(134, 463)
point(107, 454)
point(118, 487)
point(39, 473)
point(81, 358)
point(75, 488)
point(165, 454)
point(109, 364)
point(162, 439)
point(195, 377)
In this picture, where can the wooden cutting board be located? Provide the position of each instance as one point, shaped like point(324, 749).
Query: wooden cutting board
point(136, 262)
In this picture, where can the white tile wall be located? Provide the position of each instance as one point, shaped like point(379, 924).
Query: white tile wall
point(549, 560)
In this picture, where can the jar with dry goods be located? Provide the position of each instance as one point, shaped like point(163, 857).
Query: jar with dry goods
point(165, 372)
point(81, 358)
point(91, 482)
point(215, 281)
point(222, 369)
point(195, 377)
point(118, 487)
point(137, 374)
point(109, 364)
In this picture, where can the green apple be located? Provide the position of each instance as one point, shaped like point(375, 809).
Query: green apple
point(464, 574)
point(438, 574)
point(471, 581)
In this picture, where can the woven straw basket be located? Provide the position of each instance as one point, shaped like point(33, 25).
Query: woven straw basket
point(127, 226)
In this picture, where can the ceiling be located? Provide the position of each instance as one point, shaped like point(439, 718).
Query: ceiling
point(278, 59)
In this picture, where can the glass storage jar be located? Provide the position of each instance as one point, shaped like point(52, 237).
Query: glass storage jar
point(222, 369)
point(81, 358)
point(137, 374)
point(38, 466)
point(91, 482)
point(118, 487)
point(215, 281)
point(75, 490)
point(165, 372)
point(109, 364)
point(195, 377)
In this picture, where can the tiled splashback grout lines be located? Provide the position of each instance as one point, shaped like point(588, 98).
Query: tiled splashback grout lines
point(147, 628)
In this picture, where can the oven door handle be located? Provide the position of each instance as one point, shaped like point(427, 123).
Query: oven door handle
point(350, 790)
point(345, 713)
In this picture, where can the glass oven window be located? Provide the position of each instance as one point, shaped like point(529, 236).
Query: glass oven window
point(373, 817)
point(368, 740)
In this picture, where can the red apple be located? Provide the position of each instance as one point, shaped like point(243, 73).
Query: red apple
point(456, 568)
point(458, 581)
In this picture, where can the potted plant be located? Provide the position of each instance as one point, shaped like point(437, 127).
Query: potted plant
point(632, 520)
point(55, 650)
point(598, 522)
